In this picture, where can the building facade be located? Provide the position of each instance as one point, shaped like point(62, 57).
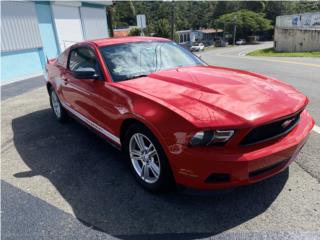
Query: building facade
point(297, 33)
point(31, 32)
point(206, 36)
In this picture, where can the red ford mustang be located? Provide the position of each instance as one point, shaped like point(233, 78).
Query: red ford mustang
point(178, 119)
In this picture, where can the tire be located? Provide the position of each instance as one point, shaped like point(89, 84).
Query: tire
point(57, 109)
point(161, 178)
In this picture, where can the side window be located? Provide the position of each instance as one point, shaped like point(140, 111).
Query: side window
point(62, 59)
point(83, 58)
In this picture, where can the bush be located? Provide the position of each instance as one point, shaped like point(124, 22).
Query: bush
point(134, 32)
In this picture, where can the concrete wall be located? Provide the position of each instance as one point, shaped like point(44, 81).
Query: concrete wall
point(29, 34)
point(46, 28)
point(20, 65)
point(304, 20)
point(296, 40)
point(25, 63)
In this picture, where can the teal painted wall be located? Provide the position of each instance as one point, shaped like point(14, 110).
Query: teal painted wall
point(47, 31)
point(93, 5)
point(20, 64)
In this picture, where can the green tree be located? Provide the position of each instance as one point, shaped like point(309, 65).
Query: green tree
point(308, 6)
point(277, 8)
point(202, 14)
point(255, 6)
point(134, 32)
point(247, 22)
point(122, 13)
point(162, 28)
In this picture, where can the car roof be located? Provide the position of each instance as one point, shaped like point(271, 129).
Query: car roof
point(119, 40)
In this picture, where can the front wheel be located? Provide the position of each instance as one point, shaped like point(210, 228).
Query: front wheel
point(57, 109)
point(147, 159)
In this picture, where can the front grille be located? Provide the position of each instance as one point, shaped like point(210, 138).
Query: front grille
point(271, 131)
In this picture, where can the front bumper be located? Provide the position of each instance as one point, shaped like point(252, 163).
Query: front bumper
point(222, 167)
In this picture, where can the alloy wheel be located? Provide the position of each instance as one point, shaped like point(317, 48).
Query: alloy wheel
point(55, 104)
point(144, 158)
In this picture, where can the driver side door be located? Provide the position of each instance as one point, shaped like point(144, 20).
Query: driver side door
point(82, 94)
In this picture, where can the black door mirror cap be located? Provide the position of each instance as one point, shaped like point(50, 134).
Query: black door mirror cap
point(85, 73)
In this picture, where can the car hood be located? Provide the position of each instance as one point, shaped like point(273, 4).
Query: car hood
point(215, 96)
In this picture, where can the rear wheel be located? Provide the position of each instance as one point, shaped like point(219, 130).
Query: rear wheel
point(57, 109)
point(147, 159)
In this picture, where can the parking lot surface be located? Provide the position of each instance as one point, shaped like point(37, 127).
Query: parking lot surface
point(63, 182)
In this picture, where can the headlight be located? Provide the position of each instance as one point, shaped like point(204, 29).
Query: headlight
point(203, 138)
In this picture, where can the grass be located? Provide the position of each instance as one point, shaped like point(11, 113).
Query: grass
point(269, 52)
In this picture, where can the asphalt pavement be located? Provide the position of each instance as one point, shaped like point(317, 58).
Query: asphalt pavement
point(63, 182)
point(17, 88)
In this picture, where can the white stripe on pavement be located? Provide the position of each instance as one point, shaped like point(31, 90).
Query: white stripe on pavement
point(243, 53)
point(267, 59)
point(316, 129)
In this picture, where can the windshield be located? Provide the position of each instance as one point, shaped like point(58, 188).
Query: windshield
point(131, 60)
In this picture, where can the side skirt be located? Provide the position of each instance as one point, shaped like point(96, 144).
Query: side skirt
point(112, 139)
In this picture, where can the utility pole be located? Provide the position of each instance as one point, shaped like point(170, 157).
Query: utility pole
point(234, 30)
point(224, 31)
point(172, 19)
point(110, 11)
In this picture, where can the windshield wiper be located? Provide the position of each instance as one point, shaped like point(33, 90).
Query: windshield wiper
point(135, 76)
point(138, 76)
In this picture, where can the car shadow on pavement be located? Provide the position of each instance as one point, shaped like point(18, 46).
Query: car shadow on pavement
point(94, 179)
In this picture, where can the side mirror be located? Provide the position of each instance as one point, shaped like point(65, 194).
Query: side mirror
point(85, 73)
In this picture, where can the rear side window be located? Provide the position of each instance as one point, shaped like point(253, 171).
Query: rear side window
point(62, 59)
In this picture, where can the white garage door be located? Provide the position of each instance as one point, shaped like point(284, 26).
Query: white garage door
point(19, 29)
point(68, 25)
point(94, 22)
